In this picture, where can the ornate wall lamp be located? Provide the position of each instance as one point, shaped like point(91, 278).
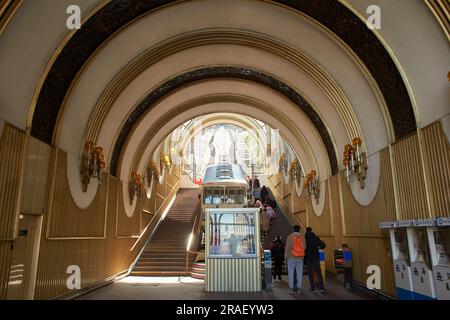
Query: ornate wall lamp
point(167, 162)
point(295, 172)
point(152, 172)
point(355, 161)
point(282, 164)
point(92, 164)
point(312, 186)
point(136, 186)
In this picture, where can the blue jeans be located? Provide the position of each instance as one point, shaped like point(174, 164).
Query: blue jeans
point(297, 265)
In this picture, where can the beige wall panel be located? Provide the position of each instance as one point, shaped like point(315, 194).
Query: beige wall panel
point(275, 180)
point(437, 160)
point(5, 261)
point(364, 220)
point(127, 226)
point(98, 259)
point(321, 225)
point(372, 251)
point(299, 203)
point(410, 179)
point(287, 194)
point(35, 184)
point(12, 142)
point(65, 218)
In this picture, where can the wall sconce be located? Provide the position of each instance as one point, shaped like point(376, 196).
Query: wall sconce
point(92, 164)
point(295, 172)
point(312, 186)
point(355, 161)
point(136, 186)
point(282, 164)
point(166, 161)
point(152, 172)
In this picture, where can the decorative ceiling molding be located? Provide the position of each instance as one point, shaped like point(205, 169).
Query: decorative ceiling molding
point(7, 10)
point(224, 36)
point(116, 14)
point(441, 10)
point(219, 73)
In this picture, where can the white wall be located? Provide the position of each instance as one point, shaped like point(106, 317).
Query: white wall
point(420, 44)
point(26, 46)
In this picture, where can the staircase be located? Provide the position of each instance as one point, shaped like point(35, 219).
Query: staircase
point(280, 226)
point(165, 253)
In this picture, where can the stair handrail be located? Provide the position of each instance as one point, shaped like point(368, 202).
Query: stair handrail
point(188, 249)
point(282, 205)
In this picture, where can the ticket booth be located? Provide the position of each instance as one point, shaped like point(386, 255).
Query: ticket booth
point(232, 250)
point(439, 242)
point(419, 250)
point(400, 257)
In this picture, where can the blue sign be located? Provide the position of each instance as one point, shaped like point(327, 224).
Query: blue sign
point(267, 259)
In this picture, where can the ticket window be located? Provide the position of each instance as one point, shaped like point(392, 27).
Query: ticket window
point(401, 245)
point(442, 243)
point(421, 252)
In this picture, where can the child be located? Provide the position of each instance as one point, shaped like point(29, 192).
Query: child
point(347, 266)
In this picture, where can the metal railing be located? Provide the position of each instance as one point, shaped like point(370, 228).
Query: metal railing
point(194, 232)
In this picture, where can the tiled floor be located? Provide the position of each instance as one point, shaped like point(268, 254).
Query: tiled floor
point(186, 288)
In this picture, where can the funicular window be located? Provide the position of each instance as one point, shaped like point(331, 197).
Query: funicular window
point(235, 195)
point(213, 196)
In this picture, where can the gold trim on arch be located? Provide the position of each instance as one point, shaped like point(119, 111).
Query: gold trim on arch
point(232, 37)
point(219, 98)
point(441, 10)
point(400, 68)
point(7, 10)
point(363, 68)
point(51, 62)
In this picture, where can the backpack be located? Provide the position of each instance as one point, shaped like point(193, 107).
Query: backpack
point(297, 247)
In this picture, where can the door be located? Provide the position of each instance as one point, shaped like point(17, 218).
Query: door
point(22, 259)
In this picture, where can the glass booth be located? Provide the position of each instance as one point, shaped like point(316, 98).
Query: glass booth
point(232, 250)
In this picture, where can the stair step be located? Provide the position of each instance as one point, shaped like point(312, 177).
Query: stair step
point(199, 276)
point(157, 273)
point(165, 254)
point(161, 263)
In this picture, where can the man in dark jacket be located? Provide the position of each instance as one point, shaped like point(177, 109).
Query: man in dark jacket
point(312, 259)
point(264, 194)
point(277, 251)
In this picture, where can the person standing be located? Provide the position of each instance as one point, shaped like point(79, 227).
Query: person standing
point(265, 219)
point(347, 266)
point(264, 194)
point(277, 251)
point(294, 254)
point(312, 259)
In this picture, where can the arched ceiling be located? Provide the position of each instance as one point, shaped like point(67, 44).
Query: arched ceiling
point(116, 14)
point(315, 71)
point(223, 72)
